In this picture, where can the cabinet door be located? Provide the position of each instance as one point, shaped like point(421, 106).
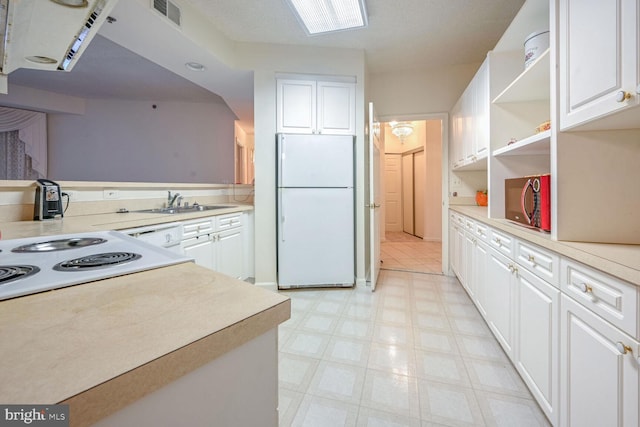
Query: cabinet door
point(296, 106)
point(336, 108)
point(599, 383)
point(598, 55)
point(229, 253)
point(453, 238)
point(456, 153)
point(481, 112)
point(500, 294)
point(480, 258)
point(200, 249)
point(461, 261)
point(468, 253)
point(468, 131)
point(536, 350)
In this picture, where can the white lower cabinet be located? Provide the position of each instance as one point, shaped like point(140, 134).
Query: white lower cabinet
point(229, 253)
point(599, 370)
point(537, 312)
point(500, 297)
point(200, 248)
point(480, 259)
point(217, 243)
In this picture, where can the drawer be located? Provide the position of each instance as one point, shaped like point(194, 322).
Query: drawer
point(613, 299)
point(541, 262)
point(481, 231)
point(469, 225)
point(196, 227)
point(228, 221)
point(502, 242)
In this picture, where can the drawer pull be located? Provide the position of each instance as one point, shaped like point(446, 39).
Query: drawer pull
point(622, 348)
point(498, 241)
point(585, 288)
point(531, 259)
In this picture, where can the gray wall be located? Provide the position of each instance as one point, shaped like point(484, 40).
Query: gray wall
point(117, 140)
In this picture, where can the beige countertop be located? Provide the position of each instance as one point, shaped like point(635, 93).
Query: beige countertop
point(103, 345)
point(105, 221)
point(622, 261)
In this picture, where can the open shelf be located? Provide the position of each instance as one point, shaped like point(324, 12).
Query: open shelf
point(539, 143)
point(531, 85)
point(479, 165)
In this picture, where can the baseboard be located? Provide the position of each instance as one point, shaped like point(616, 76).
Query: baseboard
point(272, 286)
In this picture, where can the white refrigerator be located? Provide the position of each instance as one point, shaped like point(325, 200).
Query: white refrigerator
point(315, 177)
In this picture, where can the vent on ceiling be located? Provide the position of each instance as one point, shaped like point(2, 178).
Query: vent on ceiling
point(169, 9)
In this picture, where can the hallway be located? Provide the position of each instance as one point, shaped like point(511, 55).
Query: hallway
point(402, 251)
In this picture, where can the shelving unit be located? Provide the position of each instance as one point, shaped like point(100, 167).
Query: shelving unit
point(531, 85)
point(538, 144)
point(521, 100)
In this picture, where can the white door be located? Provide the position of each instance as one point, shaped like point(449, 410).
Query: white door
point(374, 197)
point(393, 192)
point(419, 192)
point(500, 299)
point(315, 161)
point(229, 253)
point(598, 68)
point(407, 193)
point(296, 106)
point(536, 348)
point(200, 249)
point(598, 370)
point(336, 108)
point(315, 237)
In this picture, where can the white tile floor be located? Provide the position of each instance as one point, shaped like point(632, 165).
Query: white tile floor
point(414, 353)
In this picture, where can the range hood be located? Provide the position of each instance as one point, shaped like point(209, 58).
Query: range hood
point(48, 34)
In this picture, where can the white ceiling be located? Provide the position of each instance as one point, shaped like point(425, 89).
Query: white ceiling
point(402, 35)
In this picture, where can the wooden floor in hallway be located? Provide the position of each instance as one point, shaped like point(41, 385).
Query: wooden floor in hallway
point(403, 251)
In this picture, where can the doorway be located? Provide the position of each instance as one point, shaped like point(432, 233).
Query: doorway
point(412, 206)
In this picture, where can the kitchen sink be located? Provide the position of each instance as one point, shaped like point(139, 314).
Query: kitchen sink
point(185, 209)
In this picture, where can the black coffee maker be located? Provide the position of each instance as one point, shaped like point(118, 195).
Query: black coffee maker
point(48, 203)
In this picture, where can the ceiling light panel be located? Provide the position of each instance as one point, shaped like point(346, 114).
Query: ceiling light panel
point(324, 16)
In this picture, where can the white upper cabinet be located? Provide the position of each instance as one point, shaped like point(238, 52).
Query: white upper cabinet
point(316, 107)
point(598, 63)
point(296, 101)
point(336, 108)
point(470, 124)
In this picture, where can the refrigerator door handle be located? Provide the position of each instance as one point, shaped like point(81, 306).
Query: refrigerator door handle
point(282, 158)
point(280, 208)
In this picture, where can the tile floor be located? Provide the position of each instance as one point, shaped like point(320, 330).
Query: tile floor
point(402, 251)
point(414, 353)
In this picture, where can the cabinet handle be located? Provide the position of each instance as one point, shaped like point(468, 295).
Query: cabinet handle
point(585, 288)
point(531, 259)
point(622, 348)
point(498, 241)
point(622, 96)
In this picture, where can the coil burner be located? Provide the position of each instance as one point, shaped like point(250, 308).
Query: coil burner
point(59, 245)
point(97, 261)
point(11, 273)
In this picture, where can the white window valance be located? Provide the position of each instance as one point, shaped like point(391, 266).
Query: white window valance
point(32, 130)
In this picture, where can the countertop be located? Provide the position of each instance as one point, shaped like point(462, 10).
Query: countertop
point(622, 261)
point(105, 221)
point(100, 346)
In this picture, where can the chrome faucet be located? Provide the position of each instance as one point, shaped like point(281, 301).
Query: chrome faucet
point(171, 199)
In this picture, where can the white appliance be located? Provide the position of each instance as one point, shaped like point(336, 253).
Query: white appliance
point(48, 34)
point(315, 179)
point(37, 264)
